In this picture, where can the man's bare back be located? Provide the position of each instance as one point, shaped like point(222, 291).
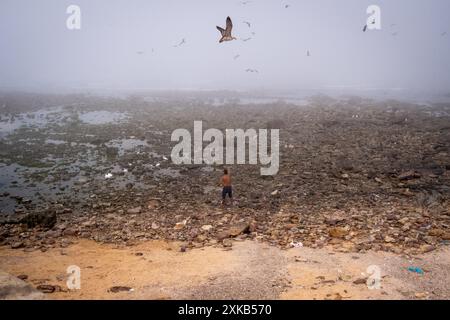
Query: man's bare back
point(226, 183)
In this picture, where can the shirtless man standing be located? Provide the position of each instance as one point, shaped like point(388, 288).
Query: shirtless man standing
point(226, 183)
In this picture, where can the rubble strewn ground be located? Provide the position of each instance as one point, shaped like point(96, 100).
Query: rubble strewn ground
point(355, 174)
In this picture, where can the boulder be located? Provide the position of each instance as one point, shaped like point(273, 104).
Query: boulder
point(12, 288)
point(338, 232)
point(40, 219)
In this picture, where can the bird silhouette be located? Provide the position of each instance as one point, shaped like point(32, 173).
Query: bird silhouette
point(226, 33)
point(183, 41)
point(247, 23)
point(251, 70)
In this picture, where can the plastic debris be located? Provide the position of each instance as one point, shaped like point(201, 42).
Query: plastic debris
point(108, 176)
point(415, 270)
point(296, 244)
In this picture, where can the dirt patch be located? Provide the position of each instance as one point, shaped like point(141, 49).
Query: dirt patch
point(250, 270)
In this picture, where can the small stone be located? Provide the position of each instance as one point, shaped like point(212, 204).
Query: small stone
point(180, 225)
point(408, 175)
point(238, 229)
point(207, 227)
point(22, 277)
point(17, 245)
point(155, 226)
point(227, 243)
point(360, 281)
point(153, 204)
point(338, 232)
point(117, 289)
point(136, 210)
point(427, 248)
point(421, 295)
point(48, 288)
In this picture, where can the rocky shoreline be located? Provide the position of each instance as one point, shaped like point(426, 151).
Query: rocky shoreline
point(356, 174)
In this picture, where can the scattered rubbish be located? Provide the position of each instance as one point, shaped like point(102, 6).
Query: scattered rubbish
point(296, 244)
point(415, 270)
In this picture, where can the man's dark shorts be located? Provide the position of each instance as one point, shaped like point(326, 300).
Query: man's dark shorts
point(225, 191)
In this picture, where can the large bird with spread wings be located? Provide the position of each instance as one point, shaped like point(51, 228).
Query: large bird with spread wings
point(226, 33)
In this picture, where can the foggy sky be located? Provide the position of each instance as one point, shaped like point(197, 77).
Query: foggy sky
point(37, 51)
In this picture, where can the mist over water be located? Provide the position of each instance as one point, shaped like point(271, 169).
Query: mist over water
point(127, 46)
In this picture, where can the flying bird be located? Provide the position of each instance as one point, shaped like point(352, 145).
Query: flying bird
point(247, 23)
point(287, 6)
point(251, 70)
point(236, 56)
point(246, 39)
point(140, 52)
point(226, 33)
point(183, 41)
point(365, 26)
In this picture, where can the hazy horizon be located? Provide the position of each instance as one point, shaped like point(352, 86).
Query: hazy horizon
point(130, 45)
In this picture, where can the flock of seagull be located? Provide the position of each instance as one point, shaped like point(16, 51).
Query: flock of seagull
point(226, 35)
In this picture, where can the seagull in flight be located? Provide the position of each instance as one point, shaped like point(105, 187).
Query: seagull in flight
point(251, 70)
point(183, 41)
point(365, 26)
point(226, 33)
